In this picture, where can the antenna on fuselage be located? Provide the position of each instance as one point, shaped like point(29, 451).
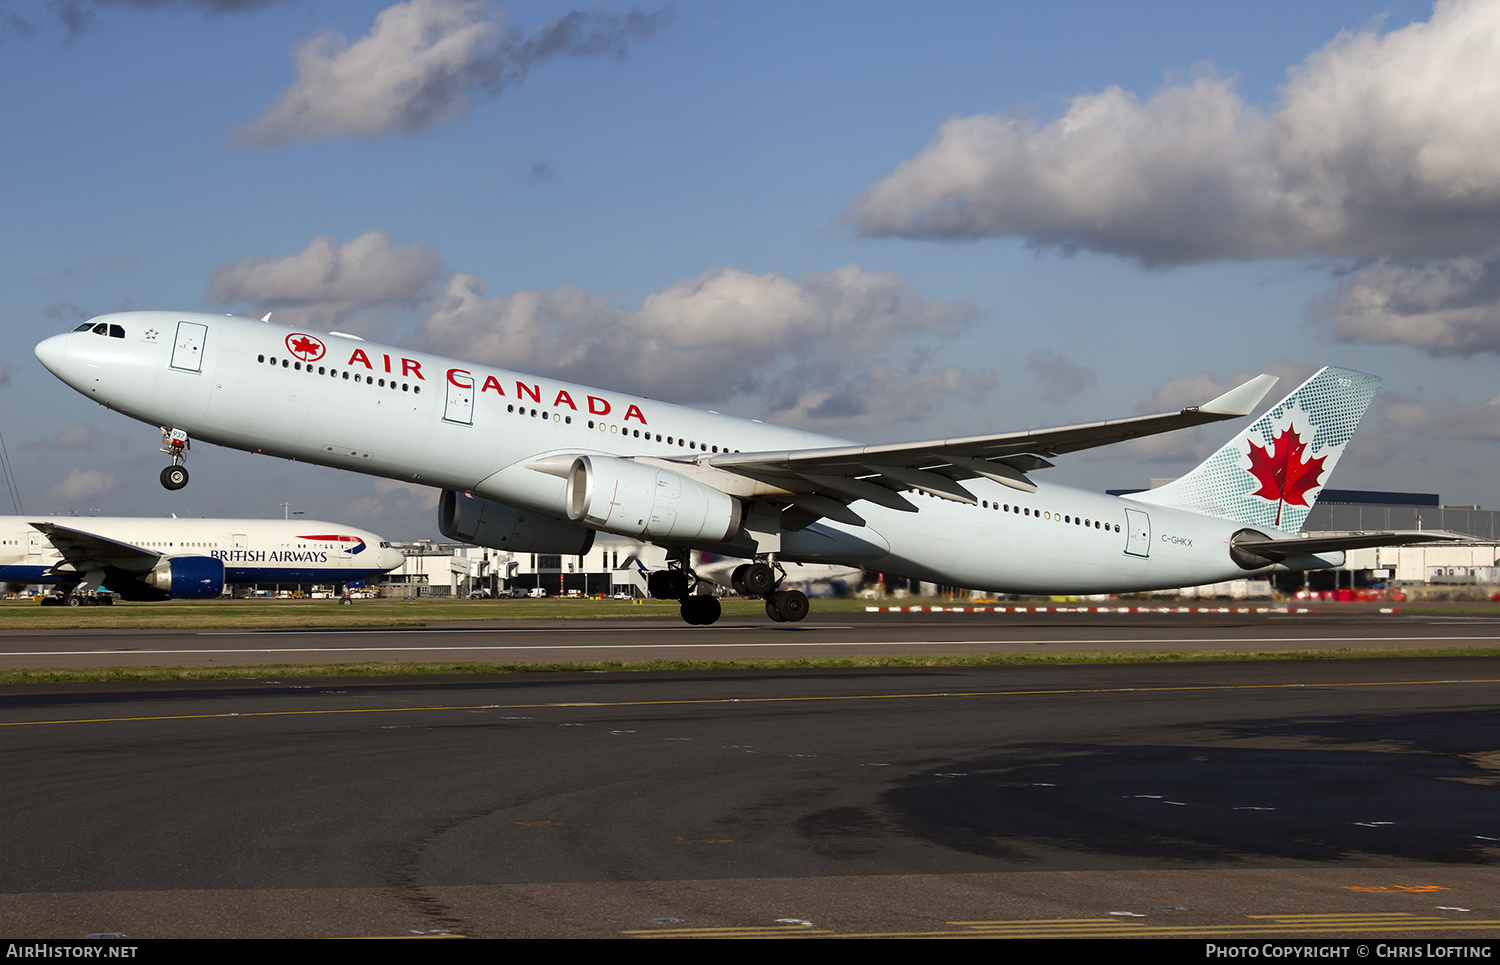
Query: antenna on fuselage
point(266, 317)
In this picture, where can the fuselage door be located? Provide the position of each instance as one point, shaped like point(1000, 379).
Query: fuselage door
point(34, 544)
point(187, 351)
point(1138, 530)
point(460, 405)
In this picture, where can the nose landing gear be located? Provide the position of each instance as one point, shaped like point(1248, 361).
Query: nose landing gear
point(174, 442)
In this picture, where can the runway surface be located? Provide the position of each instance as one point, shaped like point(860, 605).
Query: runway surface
point(821, 635)
point(1331, 797)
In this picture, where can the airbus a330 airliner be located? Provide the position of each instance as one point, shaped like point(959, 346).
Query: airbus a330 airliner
point(156, 559)
point(538, 465)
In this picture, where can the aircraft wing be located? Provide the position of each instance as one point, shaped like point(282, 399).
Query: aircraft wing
point(85, 551)
point(836, 476)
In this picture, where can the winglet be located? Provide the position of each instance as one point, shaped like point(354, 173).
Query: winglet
point(1241, 400)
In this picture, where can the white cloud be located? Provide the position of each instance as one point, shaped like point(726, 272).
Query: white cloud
point(1381, 144)
point(81, 436)
point(425, 62)
point(1186, 448)
point(1062, 379)
point(326, 282)
point(1447, 307)
point(811, 350)
point(876, 395)
point(82, 484)
point(425, 497)
point(1402, 414)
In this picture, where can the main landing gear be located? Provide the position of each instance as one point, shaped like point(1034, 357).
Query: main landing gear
point(760, 579)
point(174, 442)
point(678, 582)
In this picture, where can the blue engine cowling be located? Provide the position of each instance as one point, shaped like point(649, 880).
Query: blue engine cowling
point(187, 577)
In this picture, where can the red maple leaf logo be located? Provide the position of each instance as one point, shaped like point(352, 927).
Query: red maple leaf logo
point(1284, 476)
point(305, 347)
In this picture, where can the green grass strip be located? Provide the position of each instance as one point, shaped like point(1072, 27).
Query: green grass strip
point(466, 669)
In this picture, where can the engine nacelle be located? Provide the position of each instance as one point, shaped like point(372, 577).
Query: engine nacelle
point(484, 522)
point(633, 499)
point(181, 578)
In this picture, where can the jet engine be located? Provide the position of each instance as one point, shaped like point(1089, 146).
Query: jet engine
point(483, 522)
point(176, 578)
point(634, 499)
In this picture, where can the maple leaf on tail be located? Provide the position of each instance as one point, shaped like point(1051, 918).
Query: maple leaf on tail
point(1284, 476)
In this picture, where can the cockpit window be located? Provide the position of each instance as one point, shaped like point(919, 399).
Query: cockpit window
point(83, 328)
point(116, 331)
point(101, 329)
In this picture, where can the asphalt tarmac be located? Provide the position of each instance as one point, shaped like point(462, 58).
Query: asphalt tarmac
point(1291, 798)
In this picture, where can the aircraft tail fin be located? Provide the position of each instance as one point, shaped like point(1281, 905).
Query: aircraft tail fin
point(1271, 474)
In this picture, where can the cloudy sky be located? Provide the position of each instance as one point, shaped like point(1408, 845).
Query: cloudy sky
point(881, 221)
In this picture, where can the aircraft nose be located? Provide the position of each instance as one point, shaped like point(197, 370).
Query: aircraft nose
point(53, 353)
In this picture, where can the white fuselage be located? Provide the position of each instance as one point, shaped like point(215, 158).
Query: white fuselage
point(407, 415)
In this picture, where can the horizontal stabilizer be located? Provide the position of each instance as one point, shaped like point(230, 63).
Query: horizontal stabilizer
point(1251, 547)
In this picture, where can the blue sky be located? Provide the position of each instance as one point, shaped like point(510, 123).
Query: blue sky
point(882, 221)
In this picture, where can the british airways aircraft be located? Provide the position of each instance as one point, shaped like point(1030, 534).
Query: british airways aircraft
point(539, 465)
point(157, 559)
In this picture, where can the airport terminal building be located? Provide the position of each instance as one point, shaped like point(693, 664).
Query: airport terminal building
point(457, 569)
